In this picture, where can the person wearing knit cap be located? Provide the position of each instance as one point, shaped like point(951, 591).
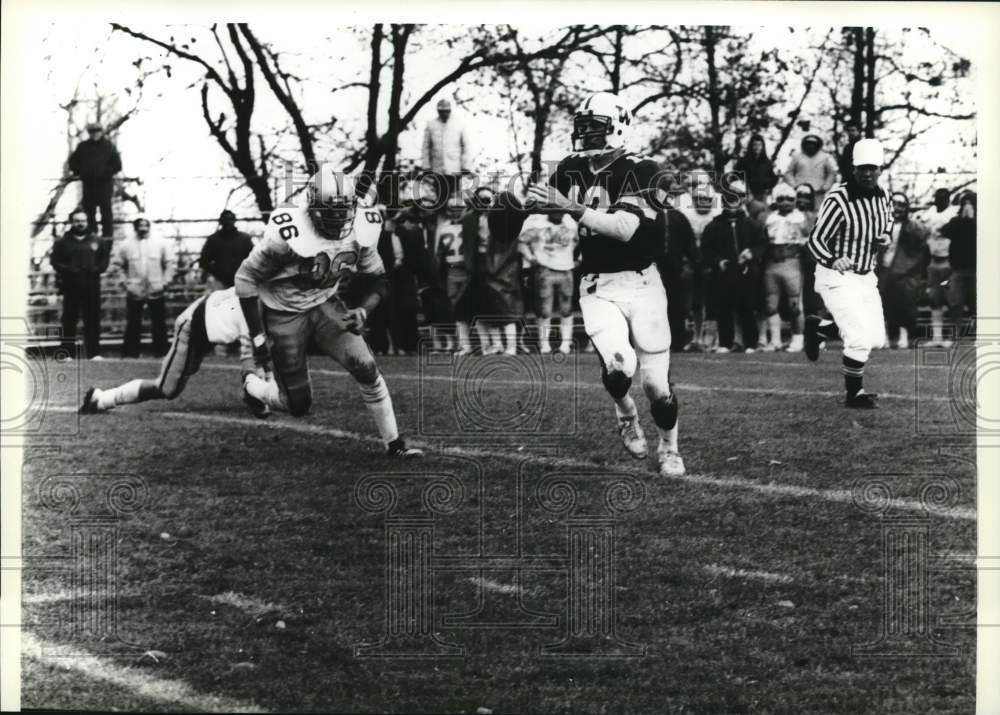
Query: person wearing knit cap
point(854, 224)
point(812, 166)
point(224, 251)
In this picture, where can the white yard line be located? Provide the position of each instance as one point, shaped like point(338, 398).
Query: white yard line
point(841, 496)
point(490, 585)
point(140, 682)
point(248, 604)
point(586, 384)
point(729, 572)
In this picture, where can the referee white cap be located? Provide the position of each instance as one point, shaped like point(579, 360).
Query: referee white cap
point(868, 152)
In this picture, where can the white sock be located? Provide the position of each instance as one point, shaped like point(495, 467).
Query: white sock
point(625, 407)
point(266, 391)
point(126, 394)
point(495, 338)
point(464, 341)
point(544, 328)
point(510, 330)
point(484, 337)
point(668, 438)
point(379, 404)
point(774, 322)
point(937, 319)
point(566, 330)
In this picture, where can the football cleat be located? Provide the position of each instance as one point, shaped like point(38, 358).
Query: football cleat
point(861, 401)
point(545, 349)
point(796, 345)
point(257, 407)
point(810, 338)
point(398, 449)
point(566, 348)
point(671, 464)
point(633, 438)
point(89, 406)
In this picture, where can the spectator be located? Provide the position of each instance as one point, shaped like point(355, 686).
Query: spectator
point(225, 250)
point(446, 151)
point(498, 227)
point(812, 166)
point(403, 249)
point(95, 161)
point(732, 245)
point(78, 259)
point(901, 267)
point(756, 169)
point(846, 161)
point(147, 266)
point(961, 231)
point(678, 266)
point(456, 236)
point(702, 213)
point(805, 202)
point(940, 213)
point(787, 233)
point(548, 241)
point(939, 269)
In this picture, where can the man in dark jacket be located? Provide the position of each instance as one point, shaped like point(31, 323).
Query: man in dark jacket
point(79, 258)
point(732, 246)
point(901, 269)
point(403, 251)
point(225, 250)
point(962, 256)
point(678, 266)
point(846, 161)
point(95, 161)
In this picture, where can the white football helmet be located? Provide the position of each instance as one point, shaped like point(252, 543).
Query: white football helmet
point(333, 201)
point(602, 123)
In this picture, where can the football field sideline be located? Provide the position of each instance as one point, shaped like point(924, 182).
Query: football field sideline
point(587, 384)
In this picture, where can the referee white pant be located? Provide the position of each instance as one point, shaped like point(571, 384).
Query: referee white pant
point(856, 306)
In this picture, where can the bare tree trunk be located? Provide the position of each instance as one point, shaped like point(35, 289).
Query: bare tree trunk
point(714, 98)
point(870, 115)
point(858, 87)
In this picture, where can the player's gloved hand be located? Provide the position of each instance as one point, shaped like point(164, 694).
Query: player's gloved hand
point(261, 353)
point(352, 320)
point(842, 264)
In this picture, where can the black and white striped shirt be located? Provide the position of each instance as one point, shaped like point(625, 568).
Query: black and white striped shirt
point(851, 225)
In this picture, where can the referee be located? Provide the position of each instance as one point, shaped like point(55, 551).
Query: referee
point(854, 221)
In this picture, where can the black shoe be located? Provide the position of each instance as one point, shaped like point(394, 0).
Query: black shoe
point(861, 401)
point(88, 407)
point(810, 339)
point(397, 448)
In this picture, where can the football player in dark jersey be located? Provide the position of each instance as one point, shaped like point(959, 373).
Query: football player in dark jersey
point(616, 201)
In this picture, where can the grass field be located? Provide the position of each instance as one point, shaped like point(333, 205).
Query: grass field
point(254, 573)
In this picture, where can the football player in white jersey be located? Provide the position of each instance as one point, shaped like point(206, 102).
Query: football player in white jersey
point(213, 319)
point(299, 271)
point(617, 201)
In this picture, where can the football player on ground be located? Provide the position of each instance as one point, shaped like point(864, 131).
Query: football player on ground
point(213, 319)
point(299, 271)
point(615, 199)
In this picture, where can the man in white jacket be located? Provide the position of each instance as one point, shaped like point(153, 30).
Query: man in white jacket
point(446, 150)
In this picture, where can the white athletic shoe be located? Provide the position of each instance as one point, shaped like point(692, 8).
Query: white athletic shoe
point(722, 351)
point(796, 345)
point(671, 464)
point(633, 438)
point(545, 349)
point(510, 352)
point(565, 348)
point(463, 351)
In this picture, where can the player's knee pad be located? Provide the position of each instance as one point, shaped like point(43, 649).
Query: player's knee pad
point(362, 370)
point(616, 382)
point(664, 410)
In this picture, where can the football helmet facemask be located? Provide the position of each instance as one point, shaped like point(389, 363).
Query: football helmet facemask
point(602, 123)
point(333, 202)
